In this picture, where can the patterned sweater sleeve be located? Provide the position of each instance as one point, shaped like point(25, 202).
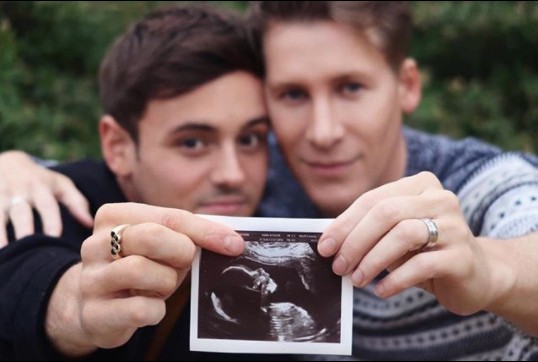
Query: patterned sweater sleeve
point(501, 199)
point(498, 191)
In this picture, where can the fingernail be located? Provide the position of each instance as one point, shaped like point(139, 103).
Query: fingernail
point(233, 244)
point(340, 265)
point(326, 246)
point(357, 277)
point(380, 290)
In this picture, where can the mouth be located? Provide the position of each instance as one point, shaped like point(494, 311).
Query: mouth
point(224, 206)
point(330, 168)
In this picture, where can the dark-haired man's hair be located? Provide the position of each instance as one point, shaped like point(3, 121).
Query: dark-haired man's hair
point(171, 52)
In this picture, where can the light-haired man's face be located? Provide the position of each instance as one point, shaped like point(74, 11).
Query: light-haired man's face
point(336, 108)
point(204, 151)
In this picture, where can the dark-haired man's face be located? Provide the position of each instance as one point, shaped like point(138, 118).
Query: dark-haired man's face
point(204, 151)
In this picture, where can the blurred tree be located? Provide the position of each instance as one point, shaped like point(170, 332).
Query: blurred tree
point(479, 61)
point(49, 58)
point(480, 66)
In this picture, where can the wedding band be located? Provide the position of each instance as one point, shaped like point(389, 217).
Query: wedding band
point(115, 241)
point(433, 233)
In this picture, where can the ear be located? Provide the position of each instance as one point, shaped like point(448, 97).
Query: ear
point(410, 86)
point(117, 146)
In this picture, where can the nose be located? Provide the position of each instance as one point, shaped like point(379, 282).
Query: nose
point(324, 130)
point(227, 171)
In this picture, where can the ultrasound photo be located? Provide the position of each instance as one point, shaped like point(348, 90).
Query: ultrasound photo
point(279, 290)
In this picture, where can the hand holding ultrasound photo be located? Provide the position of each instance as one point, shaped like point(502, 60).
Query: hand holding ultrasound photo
point(279, 296)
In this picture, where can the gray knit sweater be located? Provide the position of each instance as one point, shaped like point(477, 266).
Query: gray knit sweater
point(498, 193)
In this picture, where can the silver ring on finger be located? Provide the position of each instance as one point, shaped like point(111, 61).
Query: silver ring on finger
point(433, 233)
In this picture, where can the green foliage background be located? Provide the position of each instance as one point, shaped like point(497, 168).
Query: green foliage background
point(479, 62)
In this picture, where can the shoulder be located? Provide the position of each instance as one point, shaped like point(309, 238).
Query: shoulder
point(451, 160)
point(94, 179)
point(81, 169)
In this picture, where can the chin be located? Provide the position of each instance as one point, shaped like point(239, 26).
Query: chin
point(244, 214)
point(331, 201)
point(330, 208)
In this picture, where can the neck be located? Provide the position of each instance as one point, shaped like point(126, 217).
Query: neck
point(127, 188)
point(398, 164)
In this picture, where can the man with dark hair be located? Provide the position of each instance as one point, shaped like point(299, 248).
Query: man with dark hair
point(185, 128)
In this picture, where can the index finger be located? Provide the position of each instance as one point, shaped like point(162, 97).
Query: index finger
point(204, 233)
point(68, 194)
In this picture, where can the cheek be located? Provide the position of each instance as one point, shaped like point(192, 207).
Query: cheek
point(256, 170)
point(289, 133)
point(389, 126)
point(288, 124)
point(184, 177)
point(375, 123)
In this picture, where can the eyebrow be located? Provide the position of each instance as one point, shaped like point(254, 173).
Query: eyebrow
point(344, 76)
point(258, 120)
point(204, 127)
point(194, 126)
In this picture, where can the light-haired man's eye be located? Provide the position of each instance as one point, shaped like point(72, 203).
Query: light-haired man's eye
point(351, 88)
point(293, 95)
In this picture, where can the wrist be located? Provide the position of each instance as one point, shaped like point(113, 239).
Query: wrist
point(62, 323)
point(501, 275)
point(502, 280)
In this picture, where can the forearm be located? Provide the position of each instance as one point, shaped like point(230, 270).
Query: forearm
point(62, 325)
point(513, 265)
